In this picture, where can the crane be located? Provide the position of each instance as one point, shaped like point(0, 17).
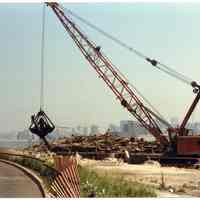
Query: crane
point(126, 95)
point(41, 125)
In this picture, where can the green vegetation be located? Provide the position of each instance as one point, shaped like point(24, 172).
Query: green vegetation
point(107, 186)
point(91, 182)
point(36, 165)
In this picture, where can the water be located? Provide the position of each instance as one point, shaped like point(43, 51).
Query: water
point(14, 143)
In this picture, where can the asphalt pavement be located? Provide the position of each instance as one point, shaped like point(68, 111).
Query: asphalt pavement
point(15, 183)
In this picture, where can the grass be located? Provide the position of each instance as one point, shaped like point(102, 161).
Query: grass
point(107, 186)
point(92, 184)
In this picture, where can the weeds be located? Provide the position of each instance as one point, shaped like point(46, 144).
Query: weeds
point(92, 184)
point(107, 186)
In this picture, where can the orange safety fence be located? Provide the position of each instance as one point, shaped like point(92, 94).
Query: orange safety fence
point(67, 182)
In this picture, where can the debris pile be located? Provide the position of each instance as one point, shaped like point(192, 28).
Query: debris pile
point(105, 145)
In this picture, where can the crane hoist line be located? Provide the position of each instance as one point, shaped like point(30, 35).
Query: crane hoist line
point(179, 142)
point(41, 125)
point(157, 64)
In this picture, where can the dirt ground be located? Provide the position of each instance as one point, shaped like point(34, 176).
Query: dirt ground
point(169, 181)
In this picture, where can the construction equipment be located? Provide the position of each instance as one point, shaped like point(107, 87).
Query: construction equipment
point(178, 142)
point(41, 125)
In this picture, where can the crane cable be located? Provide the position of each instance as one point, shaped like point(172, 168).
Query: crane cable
point(153, 62)
point(125, 46)
point(41, 125)
point(42, 60)
point(141, 95)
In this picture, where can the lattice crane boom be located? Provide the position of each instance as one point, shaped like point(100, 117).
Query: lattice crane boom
point(111, 77)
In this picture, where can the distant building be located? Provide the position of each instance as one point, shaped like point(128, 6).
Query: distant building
point(78, 128)
point(113, 128)
point(74, 131)
point(25, 135)
point(127, 127)
point(94, 129)
point(85, 130)
point(81, 130)
point(194, 127)
point(132, 128)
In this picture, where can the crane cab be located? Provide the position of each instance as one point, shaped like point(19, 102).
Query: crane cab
point(188, 145)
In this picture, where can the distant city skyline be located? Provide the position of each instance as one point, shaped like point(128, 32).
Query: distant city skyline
point(96, 128)
point(74, 94)
point(24, 138)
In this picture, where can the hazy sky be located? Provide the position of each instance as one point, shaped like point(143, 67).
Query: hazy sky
point(74, 94)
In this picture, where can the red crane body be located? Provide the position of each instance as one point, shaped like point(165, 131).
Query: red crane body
point(122, 90)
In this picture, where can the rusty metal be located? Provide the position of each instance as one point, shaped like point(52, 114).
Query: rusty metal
point(188, 145)
point(101, 146)
point(182, 129)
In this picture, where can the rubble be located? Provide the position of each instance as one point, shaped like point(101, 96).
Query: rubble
point(102, 146)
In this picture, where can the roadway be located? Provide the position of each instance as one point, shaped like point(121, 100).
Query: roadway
point(15, 183)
